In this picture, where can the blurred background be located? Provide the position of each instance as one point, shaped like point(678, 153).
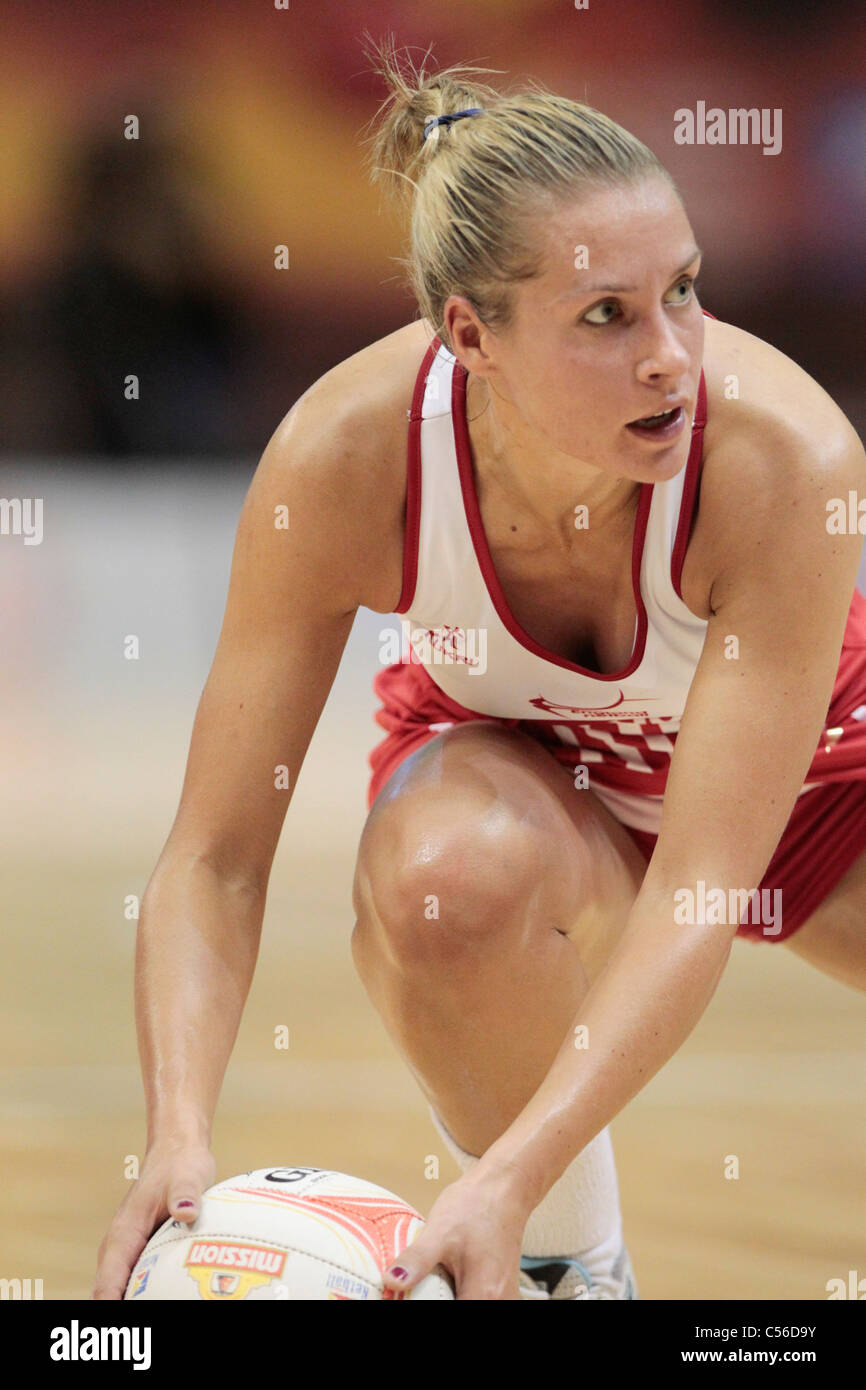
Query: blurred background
point(155, 257)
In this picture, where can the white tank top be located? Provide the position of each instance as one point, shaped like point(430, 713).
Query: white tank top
point(457, 622)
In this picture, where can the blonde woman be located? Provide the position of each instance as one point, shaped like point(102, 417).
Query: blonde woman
point(635, 687)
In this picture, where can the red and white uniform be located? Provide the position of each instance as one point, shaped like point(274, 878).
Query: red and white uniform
point(464, 656)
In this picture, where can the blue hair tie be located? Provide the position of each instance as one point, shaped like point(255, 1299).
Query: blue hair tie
point(447, 120)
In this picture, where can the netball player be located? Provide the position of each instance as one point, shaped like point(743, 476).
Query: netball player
point(636, 677)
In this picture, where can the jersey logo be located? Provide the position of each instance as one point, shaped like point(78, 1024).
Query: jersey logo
point(595, 712)
point(467, 647)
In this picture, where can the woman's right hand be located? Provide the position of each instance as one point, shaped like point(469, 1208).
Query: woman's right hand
point(173, 1177)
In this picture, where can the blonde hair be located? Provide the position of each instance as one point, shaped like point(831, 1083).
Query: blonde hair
point(477, 185)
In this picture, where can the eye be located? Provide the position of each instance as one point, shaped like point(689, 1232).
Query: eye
point(683, 289)
point(598, 309)
point(607, 310)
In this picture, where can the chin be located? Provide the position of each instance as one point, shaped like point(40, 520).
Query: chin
point(658, 469)
point(662, 462)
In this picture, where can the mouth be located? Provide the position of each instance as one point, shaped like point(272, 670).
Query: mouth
point(660, 428)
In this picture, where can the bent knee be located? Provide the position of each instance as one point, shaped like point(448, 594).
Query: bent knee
point(435, 877)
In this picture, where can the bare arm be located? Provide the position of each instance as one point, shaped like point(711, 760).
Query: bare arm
point(748, 735)
point(285, 627)
point(296, 582)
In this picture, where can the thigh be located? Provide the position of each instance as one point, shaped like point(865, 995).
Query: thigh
point(480, 789)
point(833, 938)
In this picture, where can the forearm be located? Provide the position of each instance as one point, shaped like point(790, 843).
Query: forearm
point(197, 944)
point(640, 1010)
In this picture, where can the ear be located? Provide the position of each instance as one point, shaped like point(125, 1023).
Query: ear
point(472, 342)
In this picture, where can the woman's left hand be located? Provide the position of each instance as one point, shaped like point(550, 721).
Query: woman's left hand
point(475, 1230)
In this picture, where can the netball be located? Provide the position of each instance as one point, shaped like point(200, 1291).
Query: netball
point(290, 1234)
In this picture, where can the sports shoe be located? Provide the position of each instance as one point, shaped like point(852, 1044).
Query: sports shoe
point(552, 1276)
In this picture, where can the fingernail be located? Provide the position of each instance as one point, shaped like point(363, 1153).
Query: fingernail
point(397, 1272)
point(184, 1204)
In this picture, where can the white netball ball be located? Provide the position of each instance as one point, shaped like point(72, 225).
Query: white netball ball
point(284, 1233)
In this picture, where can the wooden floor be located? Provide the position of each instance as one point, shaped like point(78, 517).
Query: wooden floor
point(774, 1074)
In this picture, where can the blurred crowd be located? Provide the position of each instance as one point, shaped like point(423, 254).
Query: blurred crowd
point(141, 310)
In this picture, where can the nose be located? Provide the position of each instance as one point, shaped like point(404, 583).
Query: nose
point(665, 354)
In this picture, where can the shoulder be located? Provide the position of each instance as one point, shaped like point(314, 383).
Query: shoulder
point(340, 454)
point(777, 449)
point(766, 416)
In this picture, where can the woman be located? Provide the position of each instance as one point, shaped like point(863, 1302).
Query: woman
point(612, 558)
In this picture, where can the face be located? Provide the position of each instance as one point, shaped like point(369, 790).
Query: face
point(602, 337)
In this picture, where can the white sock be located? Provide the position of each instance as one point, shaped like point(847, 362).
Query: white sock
point(579, 1217)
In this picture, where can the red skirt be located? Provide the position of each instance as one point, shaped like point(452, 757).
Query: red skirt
point(826, 832)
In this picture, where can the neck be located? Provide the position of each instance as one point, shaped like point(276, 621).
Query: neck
point(540, 485)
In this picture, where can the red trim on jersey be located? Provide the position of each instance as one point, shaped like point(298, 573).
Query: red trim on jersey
point(413, 484)
point(691, 484)
point(482, 550)
point(413, 514)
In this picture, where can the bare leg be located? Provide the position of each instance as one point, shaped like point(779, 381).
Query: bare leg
point(489, 893)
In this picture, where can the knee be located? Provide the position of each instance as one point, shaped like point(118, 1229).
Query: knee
point(432, 881)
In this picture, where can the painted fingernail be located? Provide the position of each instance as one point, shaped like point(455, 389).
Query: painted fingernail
point(397, 1272)
point(184, 1204)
